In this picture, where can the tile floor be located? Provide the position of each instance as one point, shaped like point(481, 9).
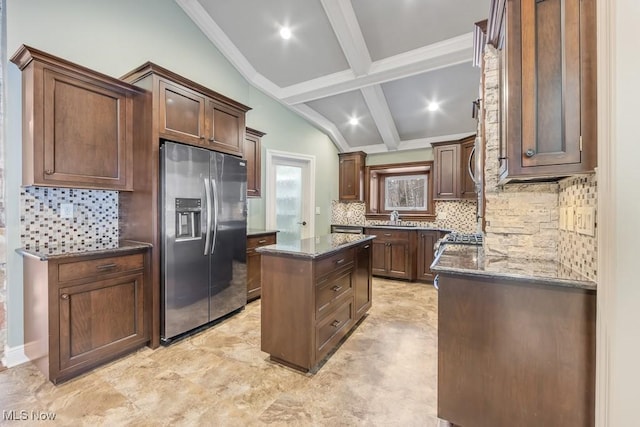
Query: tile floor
point(384, 374)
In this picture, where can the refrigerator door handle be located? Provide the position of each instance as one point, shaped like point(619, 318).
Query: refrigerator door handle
point(207, 239)
point(215, 213)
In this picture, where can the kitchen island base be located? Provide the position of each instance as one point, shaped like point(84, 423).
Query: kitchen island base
point(311, 303)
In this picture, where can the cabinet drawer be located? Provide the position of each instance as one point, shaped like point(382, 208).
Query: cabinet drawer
point(331, 289)
point(383, 234)
point(335, 326)
point(95, 267)
point(339, 260)
point(257, 241)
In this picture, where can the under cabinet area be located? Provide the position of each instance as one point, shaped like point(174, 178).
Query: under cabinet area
point(82, 311)
point(351, 176)
point(78, 125)
point(454, 167)
point(254, 280)
point(548, 84)
point(253, 155)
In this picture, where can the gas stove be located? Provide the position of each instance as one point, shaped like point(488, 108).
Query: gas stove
point(463, 239)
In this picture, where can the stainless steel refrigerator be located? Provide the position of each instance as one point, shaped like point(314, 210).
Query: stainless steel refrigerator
point(204, 223)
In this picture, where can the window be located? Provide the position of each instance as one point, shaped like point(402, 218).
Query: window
point(405, 187)
point(405, 192)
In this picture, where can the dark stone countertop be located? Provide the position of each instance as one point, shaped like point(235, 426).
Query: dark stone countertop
point(315, 247)
point(470, 260)
point(255, 232)
point(97, 247)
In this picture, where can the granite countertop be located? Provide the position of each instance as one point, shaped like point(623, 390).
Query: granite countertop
point(315, 247)
point(470, 260)
point(255, 232)
point(97, 247)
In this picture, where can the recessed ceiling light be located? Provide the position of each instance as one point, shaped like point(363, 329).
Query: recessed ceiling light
point(433, 106)
point(285, 33)
point(354, 121)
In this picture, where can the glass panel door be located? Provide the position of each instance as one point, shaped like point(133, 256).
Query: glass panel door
point(289, 201)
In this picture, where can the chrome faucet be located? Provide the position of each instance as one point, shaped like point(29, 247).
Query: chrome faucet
point(394, 217)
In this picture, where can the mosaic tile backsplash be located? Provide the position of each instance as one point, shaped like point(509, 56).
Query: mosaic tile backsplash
point(94, 221)
point(577, 250)
point(457, 215)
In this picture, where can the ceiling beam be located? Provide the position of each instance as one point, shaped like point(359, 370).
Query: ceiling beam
point(379, 109)
point(345, 25)
point(443, 54)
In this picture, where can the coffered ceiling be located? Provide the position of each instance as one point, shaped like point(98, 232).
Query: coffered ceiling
point(381, 62)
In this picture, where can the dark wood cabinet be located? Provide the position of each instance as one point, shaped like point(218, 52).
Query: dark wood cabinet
point(362, 288)
point(393, 253)
point(467, 169)
point(453, 162)
point(426, 241)
point(515, 354)
point(182, 113)
point(78, 125)
point(252, 154)
point(253, 262)
point(351, 176)
point(310, 304)
point(82, 311)
point(549, 88)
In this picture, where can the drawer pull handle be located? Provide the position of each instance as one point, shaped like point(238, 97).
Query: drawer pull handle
point(336, 288)
point(64, 296)
point(262, 241)
point(106, 266)
point(387, 234)
point(340, 261)
point(336, 323)
point(367, 246)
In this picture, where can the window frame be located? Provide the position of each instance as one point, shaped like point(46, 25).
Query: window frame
point(374, 190)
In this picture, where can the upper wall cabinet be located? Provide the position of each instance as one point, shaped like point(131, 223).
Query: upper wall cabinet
point(453, 166)
point(549, 87)
point(252, 153)
point(77, 126)
point(351, 180)
point(191, 113)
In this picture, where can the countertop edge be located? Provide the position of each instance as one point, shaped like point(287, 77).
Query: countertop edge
point(125, 246)
point(266, 250)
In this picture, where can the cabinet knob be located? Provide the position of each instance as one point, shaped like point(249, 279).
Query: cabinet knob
point(64, 296)
point(48, 172)
point(530, 152)
point(336, 323)
point(211, 139)
point(201, 137)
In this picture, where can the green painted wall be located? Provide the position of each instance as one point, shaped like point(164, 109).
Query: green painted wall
point(114, 37)
point(400, 157)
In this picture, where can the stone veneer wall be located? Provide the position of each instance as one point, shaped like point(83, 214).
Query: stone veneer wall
point(579, 251)
point(95, 218)
point(457, 215)
point(521, 219)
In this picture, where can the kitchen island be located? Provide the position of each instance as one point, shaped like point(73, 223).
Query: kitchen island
point(314, 291)
point(516, 341)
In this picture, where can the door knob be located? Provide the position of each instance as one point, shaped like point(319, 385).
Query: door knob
point(303, 223)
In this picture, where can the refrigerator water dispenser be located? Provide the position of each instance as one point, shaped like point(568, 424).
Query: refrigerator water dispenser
point(188, 215)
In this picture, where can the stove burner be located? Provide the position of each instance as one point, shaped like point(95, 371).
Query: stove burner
point(463, 239)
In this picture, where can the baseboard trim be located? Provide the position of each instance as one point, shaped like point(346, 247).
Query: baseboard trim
point(14, 356)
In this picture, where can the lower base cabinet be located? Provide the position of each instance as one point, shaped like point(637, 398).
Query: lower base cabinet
point(515, 354)
point(83, 311)
point(309, 305)
point(253, 262)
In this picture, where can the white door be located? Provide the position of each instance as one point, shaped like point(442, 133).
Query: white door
point(290, 194)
